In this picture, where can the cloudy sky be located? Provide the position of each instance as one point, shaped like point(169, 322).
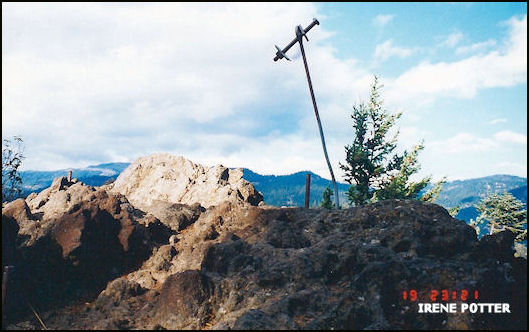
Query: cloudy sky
point(90, 83)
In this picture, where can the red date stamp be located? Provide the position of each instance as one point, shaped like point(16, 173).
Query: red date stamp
point(435, 295)
point(436, 301)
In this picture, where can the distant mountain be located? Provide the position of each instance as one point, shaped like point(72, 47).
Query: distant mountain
point(36, 181)
point(468, 192)
point(289, 190)
point(520, 193)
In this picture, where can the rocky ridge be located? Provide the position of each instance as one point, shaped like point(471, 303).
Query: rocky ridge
point(234, 265)
point(174, 179)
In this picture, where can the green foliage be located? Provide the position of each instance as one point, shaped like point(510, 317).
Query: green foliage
point(365, 157)
point(502, 212)
point(432, 195)
point(520, 250)
point(372, 168)
point(327, 200)
point(454, 211)
point(12, 156)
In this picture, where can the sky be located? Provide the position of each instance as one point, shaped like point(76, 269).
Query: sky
point(90, 83)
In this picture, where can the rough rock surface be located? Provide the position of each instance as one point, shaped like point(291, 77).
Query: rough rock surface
point(174, 179)
point(60, 197)
point(71, 239)
point(244, 267)
point(175, 216)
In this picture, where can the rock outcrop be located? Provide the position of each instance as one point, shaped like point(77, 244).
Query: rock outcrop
point(244, 267)
point(71, 239)
point(60, 197)
point(174, 245)
point(174, 179)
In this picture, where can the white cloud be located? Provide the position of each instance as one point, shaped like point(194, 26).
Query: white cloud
point(463, 143)
point(503, 67)
point(453, 39)
point(507, 136)
point(162, 51)
point(382, 20)
point(386, 50)
point(506, 167)
point(465, 155)
point(476, 47)
point(90, 83)
point(497, 120)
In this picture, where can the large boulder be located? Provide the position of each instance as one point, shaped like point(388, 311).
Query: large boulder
point(62, 196)
point(19, 211)
point(175, 216)
point(174, 179)
point(70, 248)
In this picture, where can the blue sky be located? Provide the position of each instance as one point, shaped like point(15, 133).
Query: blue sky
point(92, 83)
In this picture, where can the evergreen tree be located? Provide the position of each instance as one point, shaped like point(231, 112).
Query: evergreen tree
point(12, 155)
point(327, 200)
point(372, 168)
point(502, 212)
point(454, 211)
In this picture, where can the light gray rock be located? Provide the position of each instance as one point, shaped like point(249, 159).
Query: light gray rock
point(60, 197)
point(174, 179)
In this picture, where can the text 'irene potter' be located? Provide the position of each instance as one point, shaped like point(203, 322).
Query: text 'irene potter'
point(491, 308)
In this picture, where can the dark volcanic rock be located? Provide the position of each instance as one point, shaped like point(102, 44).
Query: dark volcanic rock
point(496, 247)
point(9, 240)
point(183, 300)
point(244, 267)
point(255, 319)
point(117, 291)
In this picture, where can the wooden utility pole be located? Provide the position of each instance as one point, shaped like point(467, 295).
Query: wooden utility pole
point(307, 190)
point(281, 53)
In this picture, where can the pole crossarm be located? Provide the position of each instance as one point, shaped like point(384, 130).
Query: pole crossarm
point(281, 53)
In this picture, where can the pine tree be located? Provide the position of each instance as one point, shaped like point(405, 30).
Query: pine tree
point(454, 211)
point(372, 168)
point(326, 198)
point(503, 212)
